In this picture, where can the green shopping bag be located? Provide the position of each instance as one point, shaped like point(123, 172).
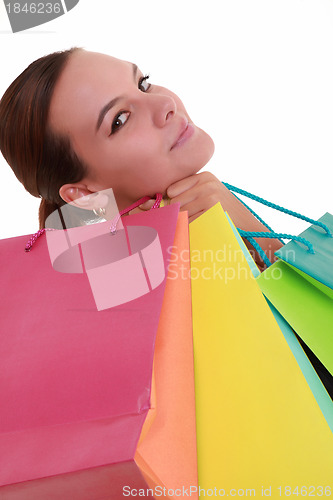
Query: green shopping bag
point(300, 285)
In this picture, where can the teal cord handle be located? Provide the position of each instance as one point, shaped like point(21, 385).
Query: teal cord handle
point(250, 235)
point(257, 247)
point(259, 219)
point(277, 207)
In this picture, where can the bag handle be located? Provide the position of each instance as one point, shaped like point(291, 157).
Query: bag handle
point(277, 207)
point(114, 223)
point(157, 203)
point(250, 235)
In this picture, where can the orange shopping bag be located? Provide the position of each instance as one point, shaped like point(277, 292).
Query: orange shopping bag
point(167, 450)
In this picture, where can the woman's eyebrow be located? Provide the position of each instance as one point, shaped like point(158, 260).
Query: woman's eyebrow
point(113, 102)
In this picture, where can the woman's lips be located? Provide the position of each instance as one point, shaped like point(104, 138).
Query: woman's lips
point(186, 132)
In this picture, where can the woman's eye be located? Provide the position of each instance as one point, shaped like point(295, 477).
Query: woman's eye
point(144, 85)
point(119, 121)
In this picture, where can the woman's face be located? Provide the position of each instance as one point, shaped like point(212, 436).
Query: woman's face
point(135, 137)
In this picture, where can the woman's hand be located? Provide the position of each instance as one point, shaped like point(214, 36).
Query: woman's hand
point(196, 194)
point(199, 192)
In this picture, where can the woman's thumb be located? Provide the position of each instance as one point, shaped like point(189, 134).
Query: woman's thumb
point(147, 205)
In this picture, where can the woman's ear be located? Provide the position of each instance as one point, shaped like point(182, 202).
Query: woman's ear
point(78, 195)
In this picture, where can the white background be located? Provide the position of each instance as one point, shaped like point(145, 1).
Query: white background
point(257, 75)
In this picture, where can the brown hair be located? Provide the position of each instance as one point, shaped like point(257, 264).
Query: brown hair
point(41, 160)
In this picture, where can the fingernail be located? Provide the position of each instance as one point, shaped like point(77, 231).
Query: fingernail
point(147, 204)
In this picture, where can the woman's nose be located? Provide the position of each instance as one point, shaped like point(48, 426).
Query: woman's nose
point(163, 109)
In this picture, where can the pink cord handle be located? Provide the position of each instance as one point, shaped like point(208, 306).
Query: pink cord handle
point(115, 221)
point(113, 226)
point(35, 237)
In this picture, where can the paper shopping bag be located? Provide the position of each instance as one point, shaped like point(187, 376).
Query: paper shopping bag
point(259, 426)
point(300, 285)
point(75, 380)
point(111, 482)
point(168, 445)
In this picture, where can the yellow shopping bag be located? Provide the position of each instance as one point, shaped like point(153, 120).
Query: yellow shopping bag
point(259, 427)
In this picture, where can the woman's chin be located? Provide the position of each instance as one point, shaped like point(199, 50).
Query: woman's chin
point(204, 158)
point(210, 148)
point(204, 150)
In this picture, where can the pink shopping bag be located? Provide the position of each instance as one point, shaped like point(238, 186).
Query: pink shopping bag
point(110, 482)
point(75, 381)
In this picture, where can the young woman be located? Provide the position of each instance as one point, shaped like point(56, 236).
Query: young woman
point(77, 122)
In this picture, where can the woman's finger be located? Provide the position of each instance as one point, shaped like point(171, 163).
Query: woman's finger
point(179, 187)
point(147, 205)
